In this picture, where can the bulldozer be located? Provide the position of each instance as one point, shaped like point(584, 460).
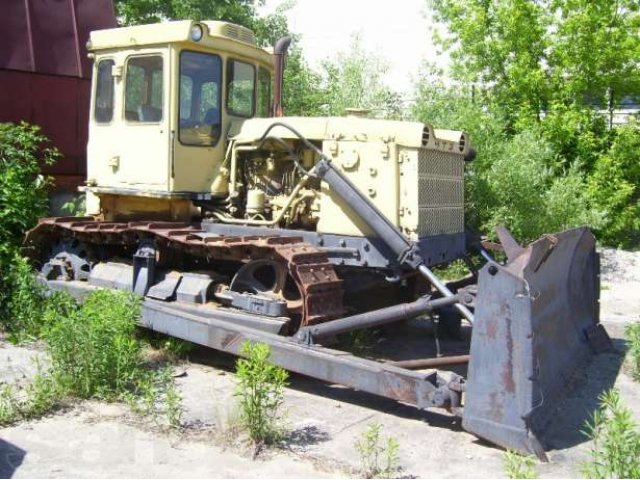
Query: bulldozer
point(236, 223)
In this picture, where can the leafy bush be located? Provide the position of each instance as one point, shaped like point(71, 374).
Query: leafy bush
point(519, 466)
point(23, 199)
point(614, 187)
point(260, 388)
point(523, 192)
point(616, 440)
point(378, 458)
point(23, 192)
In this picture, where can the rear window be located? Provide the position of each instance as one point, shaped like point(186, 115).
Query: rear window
point(103, 108)
point(264, 93)
point(241, 80)
point(143, 89)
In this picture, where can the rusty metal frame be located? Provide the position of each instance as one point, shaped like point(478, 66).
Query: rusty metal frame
point(223, 332)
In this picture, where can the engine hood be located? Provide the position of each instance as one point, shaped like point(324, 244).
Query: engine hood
point(409, 134)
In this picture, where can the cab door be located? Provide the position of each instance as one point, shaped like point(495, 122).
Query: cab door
point(129, 136)
point(143, 140)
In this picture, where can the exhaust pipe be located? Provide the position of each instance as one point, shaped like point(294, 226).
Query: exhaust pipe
point(279, 53)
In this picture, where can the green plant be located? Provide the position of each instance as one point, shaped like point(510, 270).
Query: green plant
point(28, 306)
point(632, 332)
point(378, 458)
point(615, 452)
point(519, 466)
point(173, 400)
point(260, 389)
point(39, 397)
point(76, 207)
point(23, 192)
point(9, 408)
point(169, 348)
point(93, 349)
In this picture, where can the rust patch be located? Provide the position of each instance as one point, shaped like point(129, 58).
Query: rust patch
point(507, 371)
point(492, 328)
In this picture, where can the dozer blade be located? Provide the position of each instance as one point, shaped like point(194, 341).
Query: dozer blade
point(536, 325)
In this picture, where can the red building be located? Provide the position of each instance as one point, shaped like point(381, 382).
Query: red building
point(45, 73)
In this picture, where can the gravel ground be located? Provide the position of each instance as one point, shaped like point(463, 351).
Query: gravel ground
point(94, 439)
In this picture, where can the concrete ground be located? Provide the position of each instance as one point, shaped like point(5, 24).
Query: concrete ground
point(94, 439)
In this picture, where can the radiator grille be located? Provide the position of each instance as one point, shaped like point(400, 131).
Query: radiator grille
point(440, 193)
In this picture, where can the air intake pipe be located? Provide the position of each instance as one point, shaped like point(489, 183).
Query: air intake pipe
point(279, 54)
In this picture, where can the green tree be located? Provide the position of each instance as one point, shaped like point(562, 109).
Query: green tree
point(595, 50)
point(136, 12)
point(499, 46)
point(267, 28)
point(538, 56)
point(302, 92)
point(355, 79)
point(549, 68)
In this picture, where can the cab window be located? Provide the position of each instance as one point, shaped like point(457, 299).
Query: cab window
point(143, 89)
point(103, 108)
point(199, 113)
point(241, 79)
point(264, 93)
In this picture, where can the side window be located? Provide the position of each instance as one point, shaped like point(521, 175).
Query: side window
point(199, 118)
point(143, 89)
point(241, 79)
point(264, 93)
point(103, 108)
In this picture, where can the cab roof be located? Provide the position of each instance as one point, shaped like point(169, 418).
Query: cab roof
point(170, 32)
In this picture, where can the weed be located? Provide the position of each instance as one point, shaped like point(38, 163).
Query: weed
point(519, 466)
point(378, 458)
point(260, 389)
point(93, 350)
point(173, 400)
point(94, 354)
point(9, 408)
point(361, 343)
point(616, 440)
point(35, 400)
point(632, 332)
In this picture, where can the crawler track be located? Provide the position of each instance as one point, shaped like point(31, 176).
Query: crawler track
point(319, 286)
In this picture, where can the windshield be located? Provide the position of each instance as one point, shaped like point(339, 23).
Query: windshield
point(199, 98)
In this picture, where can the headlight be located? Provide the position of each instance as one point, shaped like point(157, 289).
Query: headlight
point(196, 33)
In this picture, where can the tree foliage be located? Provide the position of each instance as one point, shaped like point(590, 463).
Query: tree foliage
point(552, 70)
point(536, 56)
point(137, 12)
point(354, 78)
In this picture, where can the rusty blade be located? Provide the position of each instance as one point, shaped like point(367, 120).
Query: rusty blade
point(533, 323)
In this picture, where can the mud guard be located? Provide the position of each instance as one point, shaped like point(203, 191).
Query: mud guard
point(536, 325)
